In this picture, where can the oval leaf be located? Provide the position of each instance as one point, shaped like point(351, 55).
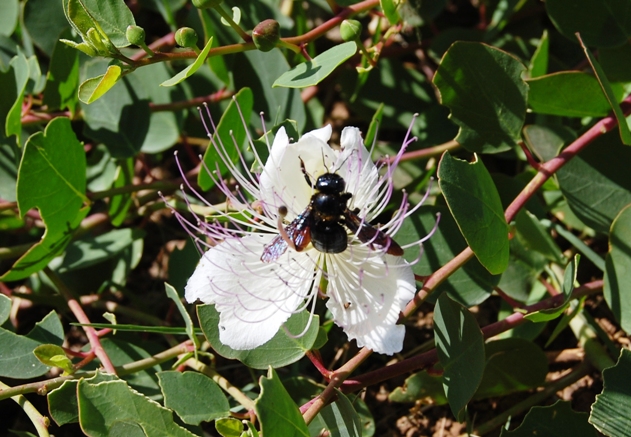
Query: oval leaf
point(618, 269)
point(483, 88)
point(475, 204)
point(230, 134)
point(604, 23)
point(460, 347)
point(314, 71)
point(52, 173)
point(612, 409)
point(104, 407)
point(623, 126)
point(188, 71)
point(94, 88)
point(280, 351)
point(597, 182)
point(277, 412)
point(468, 285)
point(193, 396)
point(556, 94)
point(553, 421)
point(53, 356)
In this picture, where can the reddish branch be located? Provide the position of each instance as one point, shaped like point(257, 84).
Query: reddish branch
point(82, 317)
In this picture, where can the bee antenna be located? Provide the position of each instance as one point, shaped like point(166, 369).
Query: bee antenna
point(324, 162)
point(304, 172)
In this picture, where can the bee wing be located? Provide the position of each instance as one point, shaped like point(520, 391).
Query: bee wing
point(298, 232)
point(369, 234)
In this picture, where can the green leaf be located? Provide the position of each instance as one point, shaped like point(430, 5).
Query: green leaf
point(230, 126)
point(91, 250)
point(420, 386)
point(62, 401)
point(314, 71)
point(512, 364)
point(193, 396)
point(618, 269)
point(45, 20)
point(276, 103)
point(375, 122)
point(120, 203)
point(172, 330)
point(556, 94)
point(539, 61)
point(5, 308)
point(53, 356)
point(278, 414)
point(547, 141)
point(124, 352)
point(62, 81)
point(611, 412)
point(623, 126)
point(280, 351)
point(93, 89)
point(597, 182)
point(105, 406)
point(51, 178)
point(389, 8)
point(569, 277)
point(602, 24)
point(535, 237)
point(524, 267)
point(469, 285)
point(16, 351)
point(190, 328)
point(110, 18)
point(553, 421)
point(121, 118)
point(482, 87)
point(229, 427)
point(191, 69)
point(216, 63)
point(164, 126)
point(9, 17)
point(341, 419)
point(475, 204)
point(616, 63)
point(460, 347)
point(14, 83)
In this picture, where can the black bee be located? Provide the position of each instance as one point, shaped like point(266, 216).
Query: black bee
point(322, 222)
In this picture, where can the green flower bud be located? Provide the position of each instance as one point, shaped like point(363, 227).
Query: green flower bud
point(186, 37)
point(95, 39)
point(266, 34)
point(135, 35)
point(350, 30)
point(205, 4)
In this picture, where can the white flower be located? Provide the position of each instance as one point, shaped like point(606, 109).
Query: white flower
point(367, 288)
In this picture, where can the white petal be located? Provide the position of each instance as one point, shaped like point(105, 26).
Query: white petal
point(253, 298)
point(282, 182)
point(358, 170)
point(367, 291)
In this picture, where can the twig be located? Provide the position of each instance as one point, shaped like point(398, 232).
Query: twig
point(39, 422)
point(81, 316)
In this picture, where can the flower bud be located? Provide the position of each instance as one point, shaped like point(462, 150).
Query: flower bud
point(266, 34)
point(205, 4)
point(186, 37)
point(135, 35)
point(350, 30)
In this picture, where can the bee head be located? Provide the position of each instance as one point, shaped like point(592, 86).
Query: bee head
point(330, 183)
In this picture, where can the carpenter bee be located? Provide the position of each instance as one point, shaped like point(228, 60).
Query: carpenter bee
point(323, 220)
